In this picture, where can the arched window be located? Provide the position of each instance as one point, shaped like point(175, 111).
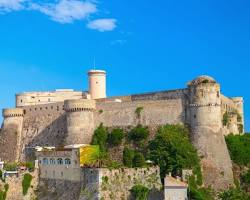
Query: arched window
point(67, 161)
point(60, 161)
point(45, 161)
point(52, 161)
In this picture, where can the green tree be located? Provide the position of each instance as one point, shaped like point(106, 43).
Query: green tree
point(100, 138)
point(138, 160)
point(172, 150)
point(116, 136)
point(10, 166)
point(27, 178)
point(140, 192)
point(139, 133)
point(234, 194)
point(239, 148)
point(128, 155)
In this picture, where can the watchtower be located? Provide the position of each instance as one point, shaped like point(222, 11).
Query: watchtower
point(97, 84)
point(206, 129)
point(80, 121)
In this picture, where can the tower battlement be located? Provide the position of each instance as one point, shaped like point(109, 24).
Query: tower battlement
point(13, 112)
point(79, 105)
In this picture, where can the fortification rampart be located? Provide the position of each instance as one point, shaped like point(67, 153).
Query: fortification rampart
point(43, 125)
point(152, 113)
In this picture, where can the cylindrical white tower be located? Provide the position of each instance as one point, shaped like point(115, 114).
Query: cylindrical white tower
point(97, 84)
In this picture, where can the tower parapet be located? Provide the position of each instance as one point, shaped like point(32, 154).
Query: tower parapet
point(79, 105)
point(80, 120)
point(13, 112)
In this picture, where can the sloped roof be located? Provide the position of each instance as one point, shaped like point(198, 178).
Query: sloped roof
point(170, 181)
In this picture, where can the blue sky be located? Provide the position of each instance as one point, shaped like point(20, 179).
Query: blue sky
point(143, 45)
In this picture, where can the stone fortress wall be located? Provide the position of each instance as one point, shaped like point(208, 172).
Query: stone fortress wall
point(66, 119)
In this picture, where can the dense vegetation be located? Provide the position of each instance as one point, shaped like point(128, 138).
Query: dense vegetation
point(239, 148)
point(27, 178)
point(10, 166)
point(138, 134)
point(172, 151)
point(234, 194)
point(100, 138)
point(140, 192)
point(3, 193)
point(115, 137)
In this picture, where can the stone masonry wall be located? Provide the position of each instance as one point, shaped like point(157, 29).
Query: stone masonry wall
point(43, 125)
point(153, 113)
point(116, 184)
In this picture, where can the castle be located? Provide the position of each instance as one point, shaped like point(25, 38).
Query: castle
point(65, 117)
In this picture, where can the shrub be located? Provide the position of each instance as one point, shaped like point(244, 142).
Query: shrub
point(139, 133)
point(10, 166)
point(225, 119)
point(100, 138)
point(172, 150)
point(239, 148)
point(138, 160)
point(140, 192)
point(30, 165)
point(138, 111)
point(6, 187)
point(240, 128)
point(246, 178)
point(27, 178)
point(128, 156)
point(115, 137)
point(234, 194)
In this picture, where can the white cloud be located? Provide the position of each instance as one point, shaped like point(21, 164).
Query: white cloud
point(9, 5)
point(62, 11)
point(120, 42)
point(66, 11)
point(102, 24)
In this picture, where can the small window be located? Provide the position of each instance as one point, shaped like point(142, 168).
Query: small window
point(48, 100)
point(24, 112)
point(45, 161)
point(195, 116)
point(67, 161)
point(21, 101)
point(41, 108)
point(218, 94)
point(52, 161)
point(60, 161)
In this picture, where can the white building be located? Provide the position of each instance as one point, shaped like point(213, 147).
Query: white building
point(174, 189)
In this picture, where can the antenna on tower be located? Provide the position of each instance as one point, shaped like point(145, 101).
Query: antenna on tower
point(94, 63)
